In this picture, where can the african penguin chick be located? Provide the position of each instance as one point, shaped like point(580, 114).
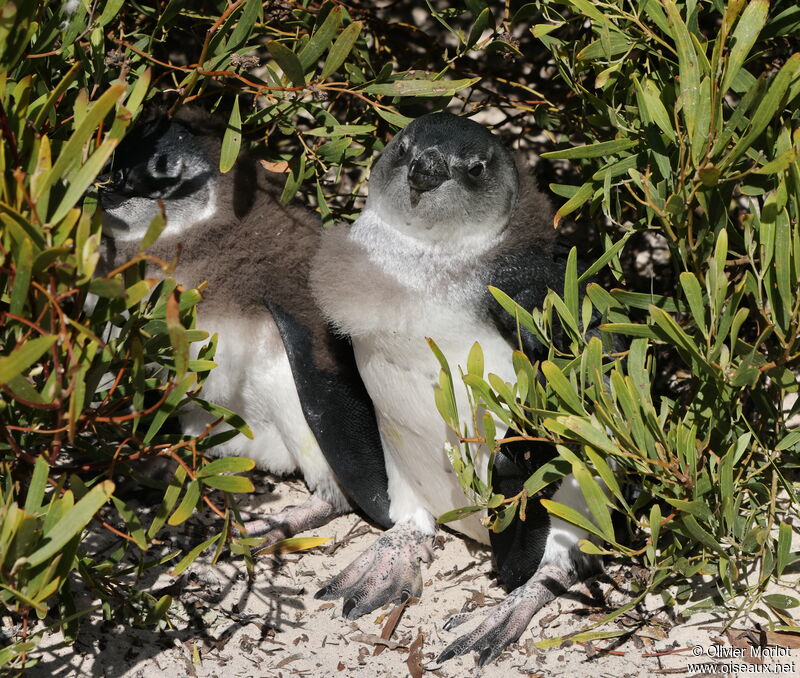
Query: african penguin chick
point(279, 366)
point(445, 217)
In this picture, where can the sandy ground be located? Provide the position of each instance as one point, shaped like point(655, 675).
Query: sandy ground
point(225, 625)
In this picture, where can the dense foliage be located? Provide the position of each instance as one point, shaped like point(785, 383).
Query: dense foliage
point(678, 118)
point(684, 121)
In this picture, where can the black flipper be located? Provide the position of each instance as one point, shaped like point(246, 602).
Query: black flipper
point(525, 275)
point(340, 414)
point(518, 549)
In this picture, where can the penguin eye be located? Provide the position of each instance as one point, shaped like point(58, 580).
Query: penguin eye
point(477, 169)
point(402, 148)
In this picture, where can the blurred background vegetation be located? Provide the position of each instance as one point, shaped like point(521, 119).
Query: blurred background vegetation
point(667, 131)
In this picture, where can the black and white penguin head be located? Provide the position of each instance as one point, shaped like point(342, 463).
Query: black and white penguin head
point(444, 179)
point(164, 160)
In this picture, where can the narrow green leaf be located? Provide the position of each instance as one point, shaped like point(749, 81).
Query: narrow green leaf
point(187, 505)
point(572, 516)
point(72, 522)
point(321, 39)
point(23, 357)
point(341, 49)
point(600, 149)
point(420, 88)
point(156, 227)
point(744, 37)
point(596, 500)
point(71, 151)
point(232, 140)
point(190, 557)
point(22, 276)
point(562, 386)
point(229, 483)
point(694, 297)
point(288, 62)
point(688, 66)
point(37, 486)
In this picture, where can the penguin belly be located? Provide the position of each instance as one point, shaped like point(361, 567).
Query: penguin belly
point(254, 379)
point(400, 372)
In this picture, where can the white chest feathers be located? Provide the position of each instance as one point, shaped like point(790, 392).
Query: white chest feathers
point(390, 294)
point(254, 379)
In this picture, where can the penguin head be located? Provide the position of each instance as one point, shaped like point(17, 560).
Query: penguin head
point(158, 160)
point(445, 179)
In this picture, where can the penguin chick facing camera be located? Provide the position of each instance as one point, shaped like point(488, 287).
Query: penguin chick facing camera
point(278, 365)
point(446, 216)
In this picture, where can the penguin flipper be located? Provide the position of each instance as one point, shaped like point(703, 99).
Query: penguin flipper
point(518, 550)
point(525, 275)
point(340, 414)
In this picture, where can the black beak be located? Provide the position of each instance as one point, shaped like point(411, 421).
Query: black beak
point(428, 171)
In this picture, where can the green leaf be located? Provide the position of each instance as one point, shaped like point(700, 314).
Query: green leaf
point(232, 140)
point(696, 532)
point(420, 88)
point(789, 441)
point(71, 151)
point(231, 418)
point(72, 522)
point(288, 62)
point(596, 500)
point(292, 545)
point(229, 483)
point(458, 514)
point(607, 256)
point(656, 109)
point(172, 401)
point(341, 49)
point(187, 505)
point(156, 227)
point(600, 149)
point(22, 276)
point(572, 516)
point(767, 109)
point(227, 465)
point(694, 297)
point(37, 485)
point(563, 388)
point(781, 601)
point(190, 557)
point(23, 357)
point(744, 37)
point(547, 473)
point(583, 194)
point(477, 29)
point(688, 66)
point(321, 39)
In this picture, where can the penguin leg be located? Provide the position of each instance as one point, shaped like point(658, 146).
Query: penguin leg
point(312, 513)
point(388, 570)
point(502, 624)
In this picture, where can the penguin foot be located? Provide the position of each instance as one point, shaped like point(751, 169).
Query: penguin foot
point(389, 570)
point(504, 623)
point(312, 513)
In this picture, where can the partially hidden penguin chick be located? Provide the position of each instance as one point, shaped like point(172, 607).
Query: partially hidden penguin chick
point(278, 365)
point(445, 217)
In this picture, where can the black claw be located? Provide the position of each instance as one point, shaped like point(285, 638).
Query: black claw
point(348, 606)
point(404, 596)
point(321, 593)
point(448, 624)
point(447, 654)
point(485, 657)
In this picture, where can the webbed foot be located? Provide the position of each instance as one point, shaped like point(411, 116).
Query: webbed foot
point(504, 623)
point(388, 570)
point(312, 513)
